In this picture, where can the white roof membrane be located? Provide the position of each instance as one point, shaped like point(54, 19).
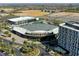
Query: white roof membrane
point(21, 19)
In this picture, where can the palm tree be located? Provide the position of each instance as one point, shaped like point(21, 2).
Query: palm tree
point(8, 49)
point(0, 28)
point(5, 47)
point(13, 40)
point(12, 51)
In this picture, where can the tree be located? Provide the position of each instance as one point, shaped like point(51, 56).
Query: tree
point(12, 51)
point(13, 39)
point(2, 11)
point(6, 32)
point(48, 48)
point(57, 22)
point(9, 35)
point(25, 43)
point(2, 45)
point(7, 48)
point(27, 47)
point(0, 27)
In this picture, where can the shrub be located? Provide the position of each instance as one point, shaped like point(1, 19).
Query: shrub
point(9, 35)
point(57, 22)
point(6, 32)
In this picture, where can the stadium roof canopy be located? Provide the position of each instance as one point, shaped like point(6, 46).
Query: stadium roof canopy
point(21, 19)
point(35, 28)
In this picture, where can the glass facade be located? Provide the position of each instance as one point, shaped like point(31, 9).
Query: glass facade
point(69, 40)
point(21, 22)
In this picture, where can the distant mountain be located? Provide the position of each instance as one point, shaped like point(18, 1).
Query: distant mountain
point(45, 4)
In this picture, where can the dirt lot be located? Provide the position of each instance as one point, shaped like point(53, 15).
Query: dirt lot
point(64, 14)
point(7, 9)
point(30, 13)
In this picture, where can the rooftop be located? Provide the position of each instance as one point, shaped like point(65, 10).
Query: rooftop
point(35, 27)
point(72, 25)
point(21, 18)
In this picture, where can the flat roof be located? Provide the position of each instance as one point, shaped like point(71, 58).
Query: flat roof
point(72, 25)
point(21, 18)
point(59, 49)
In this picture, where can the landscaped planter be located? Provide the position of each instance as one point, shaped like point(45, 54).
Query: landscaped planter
point(36, 52)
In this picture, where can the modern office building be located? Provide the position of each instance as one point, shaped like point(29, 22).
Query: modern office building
point(69, 37)
point(31, 26)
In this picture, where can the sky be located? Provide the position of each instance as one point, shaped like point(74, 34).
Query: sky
point(39, 1)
